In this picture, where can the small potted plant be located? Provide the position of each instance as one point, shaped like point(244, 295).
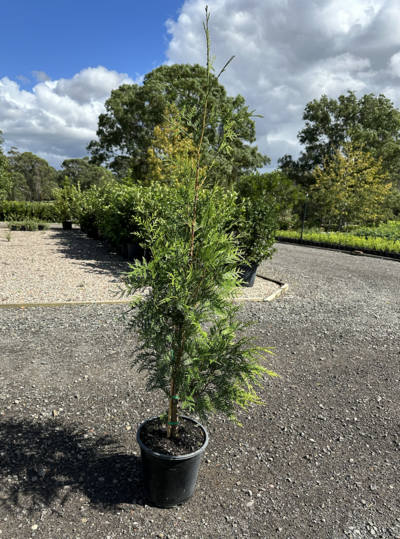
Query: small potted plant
point(261, 200)
point(66, 201)
point(190, 341)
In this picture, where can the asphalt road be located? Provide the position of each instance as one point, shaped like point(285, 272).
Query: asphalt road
point(321, 460)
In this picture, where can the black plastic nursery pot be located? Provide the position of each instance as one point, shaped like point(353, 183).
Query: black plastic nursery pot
point(248, 274)
point(135, 251)
point(67, 225)
point(170, 480)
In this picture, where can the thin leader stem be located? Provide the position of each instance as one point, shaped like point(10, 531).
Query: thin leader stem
point(202, 133)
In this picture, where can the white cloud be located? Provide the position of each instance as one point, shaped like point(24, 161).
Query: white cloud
point(288, 52)
point(394, 64)
point(58, 118)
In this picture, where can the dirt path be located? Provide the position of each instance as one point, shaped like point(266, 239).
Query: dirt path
point(67, 266)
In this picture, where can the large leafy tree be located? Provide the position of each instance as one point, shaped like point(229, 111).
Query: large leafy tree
point(351, 186)
point(87, 174)
point(126, 129)
point(371, 120)
point(34, 177)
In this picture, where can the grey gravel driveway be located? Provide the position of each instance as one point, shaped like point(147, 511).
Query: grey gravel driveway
point(320, 460)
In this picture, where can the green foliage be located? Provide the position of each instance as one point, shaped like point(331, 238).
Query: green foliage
point(81, 172)
point(190, 341)
point(66, 200)
point(33, 178)
point(20, 211)
point(263, 200)
point(370, 120)
point(8, 236)
point(389, 231)
point(31, 226)
point(351, 186)
point(375, 243)
point(6, 181)
point(126, 130)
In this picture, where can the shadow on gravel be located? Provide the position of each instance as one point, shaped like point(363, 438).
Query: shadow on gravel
point(77, 246)
point(48, 462)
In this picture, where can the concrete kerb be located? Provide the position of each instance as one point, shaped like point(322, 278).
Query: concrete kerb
point(283, 288)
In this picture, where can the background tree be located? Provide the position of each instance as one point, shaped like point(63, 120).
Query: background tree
point(33, 176)
point(167, 145)
point(6, 182)
point(87, 174)
point(351, 186)
point(372, 121)
point(126, 130)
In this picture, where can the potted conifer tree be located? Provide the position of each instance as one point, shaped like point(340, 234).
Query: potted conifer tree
point(190, 342)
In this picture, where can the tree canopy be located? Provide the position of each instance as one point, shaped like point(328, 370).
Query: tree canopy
point(372, 121)
point(126, 129)
point(87, 174)
point(351, 186)
point(5, 173)
point(33, 177)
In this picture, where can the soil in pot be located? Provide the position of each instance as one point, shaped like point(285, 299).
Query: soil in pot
point(169, 479)
point(154, 436)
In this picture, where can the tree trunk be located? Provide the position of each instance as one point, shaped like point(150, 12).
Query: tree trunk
point(172, 413)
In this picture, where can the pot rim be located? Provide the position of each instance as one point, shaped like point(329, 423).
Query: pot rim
point(172, 457)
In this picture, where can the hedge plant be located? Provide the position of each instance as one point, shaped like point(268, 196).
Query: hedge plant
point(347, 240)
point(20, 211)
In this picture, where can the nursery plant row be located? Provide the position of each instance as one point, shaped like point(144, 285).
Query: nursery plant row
point(337, 240)
point(28, 225)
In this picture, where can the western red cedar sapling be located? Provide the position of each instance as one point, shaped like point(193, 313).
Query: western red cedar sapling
point(190, 342)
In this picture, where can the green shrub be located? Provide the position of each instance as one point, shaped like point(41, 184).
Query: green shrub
point(66, 201)
point(20, 211)
point(349, 240)
point(389, 231)
point(31, 225)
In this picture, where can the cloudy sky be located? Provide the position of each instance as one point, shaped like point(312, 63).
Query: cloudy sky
point(65, 58)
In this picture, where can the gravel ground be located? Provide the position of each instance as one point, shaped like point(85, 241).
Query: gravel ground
point(67, 266)
point(320, 460)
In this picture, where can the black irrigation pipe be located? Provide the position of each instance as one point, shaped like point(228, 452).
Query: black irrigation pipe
point(355, 251)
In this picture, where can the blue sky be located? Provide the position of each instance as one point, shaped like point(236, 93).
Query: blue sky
point(287, 53)
point(61, 38)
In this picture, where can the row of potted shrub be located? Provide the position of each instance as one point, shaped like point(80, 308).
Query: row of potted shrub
point(31, 226)
point(337, 240)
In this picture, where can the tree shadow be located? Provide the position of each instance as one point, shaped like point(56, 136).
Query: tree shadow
point(77, 246)
point(48, 461)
